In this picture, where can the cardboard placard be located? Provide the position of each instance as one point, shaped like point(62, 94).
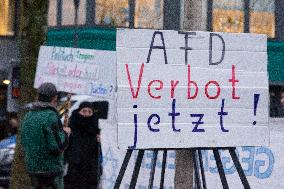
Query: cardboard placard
point(80, 71)
point(191, 89)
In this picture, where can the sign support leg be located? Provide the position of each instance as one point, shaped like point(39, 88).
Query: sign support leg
point(153, 166)
point(123, 169)
point(163, 169)
point(197, 158)
point(202, 169)
point(196, 171)
point(136, 169)
point(239, 168)
point(220, 168)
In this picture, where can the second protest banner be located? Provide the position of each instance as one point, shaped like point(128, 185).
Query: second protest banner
point(191, 89)
point(80, 71)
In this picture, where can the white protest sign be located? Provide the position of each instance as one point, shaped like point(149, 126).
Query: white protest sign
point(80, 71)
point(263, 166)
point(191, 89)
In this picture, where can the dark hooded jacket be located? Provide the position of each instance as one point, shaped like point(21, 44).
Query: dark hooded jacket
point(83, 151)
point(43, 140)
point(83, 141)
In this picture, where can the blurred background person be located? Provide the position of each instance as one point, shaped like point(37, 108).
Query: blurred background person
point(83, 152)
point(275, 106)
point(281, 104)
point(13, 124)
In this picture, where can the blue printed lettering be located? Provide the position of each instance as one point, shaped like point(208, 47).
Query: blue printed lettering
point(261, 163)
point(248, 160)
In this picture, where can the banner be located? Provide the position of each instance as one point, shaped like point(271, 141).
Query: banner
point(191, 89)
point(80, 71)
point(263, 166)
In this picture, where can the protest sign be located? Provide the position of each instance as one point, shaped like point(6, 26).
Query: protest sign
point(191, 89)
point(263, 166)
point(80, 71)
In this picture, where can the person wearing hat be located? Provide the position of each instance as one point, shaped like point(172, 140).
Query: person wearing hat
point(83, 151)
point(44, 139)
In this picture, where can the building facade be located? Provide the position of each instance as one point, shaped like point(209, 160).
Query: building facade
point(256, 16)
point(9, 54)
point(238, 16)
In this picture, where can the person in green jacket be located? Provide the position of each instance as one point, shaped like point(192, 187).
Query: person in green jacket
point(44, 140)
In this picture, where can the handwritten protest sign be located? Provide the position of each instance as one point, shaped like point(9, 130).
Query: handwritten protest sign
point(81, 71)
point(191, 89)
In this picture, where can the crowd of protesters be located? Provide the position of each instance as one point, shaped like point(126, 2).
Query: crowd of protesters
point(58, 156)
point(51, 149)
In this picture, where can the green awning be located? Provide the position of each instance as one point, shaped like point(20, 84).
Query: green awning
point(105, 39)
point(88, 38)
point(276, 62)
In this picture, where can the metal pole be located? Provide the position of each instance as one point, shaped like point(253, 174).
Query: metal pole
point(76, 5)
point(196, 171)
point(246, 16)
point(123, 169)
point(131, 4)
point(136, 169)
point(153, 166)
point(163, 169)
point(202, 169)
point(90, 12)
point(210, 15)
point(220, 168)
point(239, 168)
point(59, 13)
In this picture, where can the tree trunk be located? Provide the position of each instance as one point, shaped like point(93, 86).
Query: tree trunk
point(32, 31)
point(184, 169)
point(195, 12)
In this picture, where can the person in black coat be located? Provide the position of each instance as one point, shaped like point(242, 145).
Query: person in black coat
point(83, 152)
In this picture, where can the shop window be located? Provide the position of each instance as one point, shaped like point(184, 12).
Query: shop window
point(68, 12)
point(7, 17)
point(149, 14)
point(112, 13)
point(262, 17)
point(228, 16)
point(52, 11)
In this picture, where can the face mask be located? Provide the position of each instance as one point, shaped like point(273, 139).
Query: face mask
point(82, 121)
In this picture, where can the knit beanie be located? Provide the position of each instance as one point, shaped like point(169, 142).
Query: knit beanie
point(46, 91)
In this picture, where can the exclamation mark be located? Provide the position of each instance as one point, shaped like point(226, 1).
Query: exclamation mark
point(256, 98)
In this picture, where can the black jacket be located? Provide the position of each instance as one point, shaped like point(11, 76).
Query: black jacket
point(83, 152)
point(83, 144)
